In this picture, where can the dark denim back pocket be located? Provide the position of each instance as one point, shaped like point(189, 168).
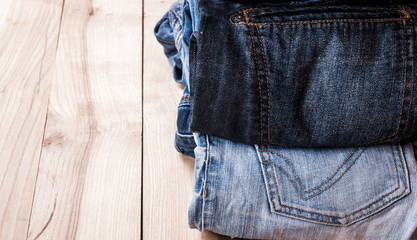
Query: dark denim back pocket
point(333, 186)
point(306, 76)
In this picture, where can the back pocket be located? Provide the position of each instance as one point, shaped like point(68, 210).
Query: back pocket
point(315, 76)
point(332, 74)
point(333, 186)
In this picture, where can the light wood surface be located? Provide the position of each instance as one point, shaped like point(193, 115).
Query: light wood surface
point(74, 162)
point(29, 32)
point(89, 179)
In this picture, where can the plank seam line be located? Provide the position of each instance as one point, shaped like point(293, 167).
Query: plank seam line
point(46, 120)
point(142, 119)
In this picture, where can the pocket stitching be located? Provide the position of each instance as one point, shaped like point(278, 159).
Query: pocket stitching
point(247, 10)
point(404, 19)
point(259, 79)
point(310, 190)
point(322, 21)
point(393, 136)
point(324, 183)
point(345, 216)
point(267, 79)
point(412, 81)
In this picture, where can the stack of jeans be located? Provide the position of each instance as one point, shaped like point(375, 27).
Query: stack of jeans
point(299, 114)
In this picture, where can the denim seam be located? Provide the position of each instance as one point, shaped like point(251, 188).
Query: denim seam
point(185, 105)
point(178, 40)
point(268, 89)
point(207, 166)
point(352, 220)
point(184, 136)
point(267, 78)
point(318, 3)
point(412, 81)
point(406, 16)
point(269, 192)
point(272, 8)
point(259, 79)
point(310, 190)
point(165, 41)
point(335, 181)
point(322, 3)
point(177, 16)
point(185, 99)
point(321, 21)
point(204, 200)
point(248, 10)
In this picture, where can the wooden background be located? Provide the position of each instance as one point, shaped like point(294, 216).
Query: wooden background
point(87, 122)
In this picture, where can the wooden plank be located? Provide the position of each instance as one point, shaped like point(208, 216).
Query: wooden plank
point(168, 175)
point(89, 183)
point(28, 31)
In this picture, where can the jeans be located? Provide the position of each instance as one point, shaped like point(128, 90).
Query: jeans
point(265, 191)
point(169, 32)
point(305, 76)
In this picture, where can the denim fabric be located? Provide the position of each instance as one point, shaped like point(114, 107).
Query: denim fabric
point(415, 148)
point(304, 76)
point(272, 192)
point(315, 2)
point(265, 192)
point(169, 32)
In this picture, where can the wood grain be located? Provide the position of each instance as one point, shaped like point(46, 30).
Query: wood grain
point(89, 181)
point(168, 175)
point(71, 149)
point(29, 33)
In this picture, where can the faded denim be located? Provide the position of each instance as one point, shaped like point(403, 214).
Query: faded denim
point(169, 33)
point(312, 75)
point(265, 192)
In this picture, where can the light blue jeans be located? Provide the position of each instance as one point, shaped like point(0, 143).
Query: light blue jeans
point(265, 192)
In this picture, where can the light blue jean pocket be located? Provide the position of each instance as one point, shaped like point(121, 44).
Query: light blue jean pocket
point(333, 186)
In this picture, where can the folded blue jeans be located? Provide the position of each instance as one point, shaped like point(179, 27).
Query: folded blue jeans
point(265, 191)
point(169, 33)
point(310, 74)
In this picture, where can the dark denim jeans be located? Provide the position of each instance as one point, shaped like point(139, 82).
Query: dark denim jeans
point(317, 74)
